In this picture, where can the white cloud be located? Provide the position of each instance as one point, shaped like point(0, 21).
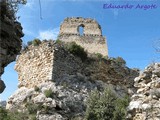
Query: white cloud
point(49, 34)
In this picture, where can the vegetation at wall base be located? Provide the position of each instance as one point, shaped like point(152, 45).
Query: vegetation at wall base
point(58, 42)
point(15, 115)
point(106, 106)
point(77, 50)
point(120, 61)
point(48, 93)
point(99, 55)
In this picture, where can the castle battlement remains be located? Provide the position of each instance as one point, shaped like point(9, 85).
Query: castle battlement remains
point(48, 62)
point(90, 38)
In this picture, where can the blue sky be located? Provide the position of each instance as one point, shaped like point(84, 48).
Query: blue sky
point(131, 33)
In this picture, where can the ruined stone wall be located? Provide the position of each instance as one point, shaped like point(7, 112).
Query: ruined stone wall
point(10, 38)
point(35, 65)
point(65, 63)
point(91, 39)
point(70, 26)
point(46, 62)
point(51, 61)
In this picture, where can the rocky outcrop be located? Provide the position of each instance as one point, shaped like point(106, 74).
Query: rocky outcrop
point(145, 104)
point(67, 100)
point(59, 82)
point(2, 86)
point(10, 34)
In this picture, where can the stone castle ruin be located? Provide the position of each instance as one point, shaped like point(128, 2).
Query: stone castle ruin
point(50, 68)
point(48, 62)
point(90, 38)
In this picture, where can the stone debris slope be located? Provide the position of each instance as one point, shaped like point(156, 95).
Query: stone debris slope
point(145, 103)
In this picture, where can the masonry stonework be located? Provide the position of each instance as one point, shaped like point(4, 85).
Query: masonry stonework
point(51, 61)
point(91, 39)
point(34, 65)
point(46, 62)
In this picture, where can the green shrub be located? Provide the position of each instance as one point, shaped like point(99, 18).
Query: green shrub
point(32, 117)
point(99, 55)
point(105, 106)
point(58, 41)
point(120, 108)
point(36, 42)
point(120, 61)
point(15, 115)
point(45, 109)
point(48, 93)
point(76, 118)
point(32, 108)
point(77, 50)
point(3, 114)
point(12, 115)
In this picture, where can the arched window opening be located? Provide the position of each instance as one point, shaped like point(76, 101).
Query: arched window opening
point(81, 30)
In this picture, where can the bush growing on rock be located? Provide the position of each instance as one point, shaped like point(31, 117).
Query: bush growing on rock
point(32, 108)
point(36, 42)
point(99, 55)
point(15, 115)
point(58, 41)
point(105, 106)
point(48, 93)
point(77, 50)
point(120, 61)
point(3, 114)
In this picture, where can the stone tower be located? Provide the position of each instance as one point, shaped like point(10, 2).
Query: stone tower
point(90, 38)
